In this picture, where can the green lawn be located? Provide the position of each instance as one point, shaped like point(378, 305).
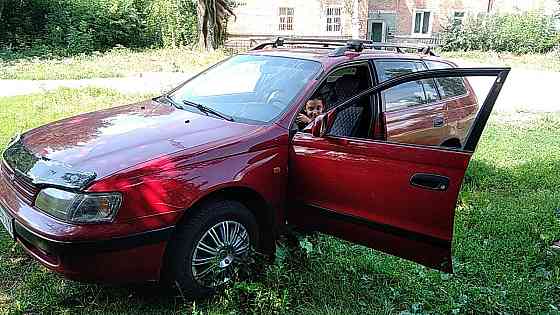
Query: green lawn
point(506, 219)
point(116, 63)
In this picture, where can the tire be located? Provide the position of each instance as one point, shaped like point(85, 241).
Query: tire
point(185, 248)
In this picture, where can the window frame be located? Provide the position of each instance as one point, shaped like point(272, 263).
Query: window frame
point(430, 22)
point(333, 16)
point(286, 25)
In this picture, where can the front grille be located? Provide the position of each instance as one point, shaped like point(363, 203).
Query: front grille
point(22, 185)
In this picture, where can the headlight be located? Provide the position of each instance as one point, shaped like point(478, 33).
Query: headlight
point(79, 207)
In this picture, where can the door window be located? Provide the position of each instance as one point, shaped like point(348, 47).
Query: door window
point(353, 121)
point(408, 94)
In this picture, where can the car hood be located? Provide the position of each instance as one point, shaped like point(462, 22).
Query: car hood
point(110, 140)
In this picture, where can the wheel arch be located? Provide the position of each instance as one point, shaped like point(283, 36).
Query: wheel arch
point(255, 202)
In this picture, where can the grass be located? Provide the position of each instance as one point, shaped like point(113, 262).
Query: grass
point(545, 62)
point(119, 62)
point(507, 216)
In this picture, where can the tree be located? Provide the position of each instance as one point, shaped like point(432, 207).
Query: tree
point(212, 21)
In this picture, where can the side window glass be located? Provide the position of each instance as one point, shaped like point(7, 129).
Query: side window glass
point(408, 94)
point(435, 126)
point(353, 120)
point(448, 87)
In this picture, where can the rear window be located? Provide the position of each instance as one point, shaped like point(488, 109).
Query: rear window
point(448, 87)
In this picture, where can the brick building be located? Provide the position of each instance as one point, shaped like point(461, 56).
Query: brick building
point(378, 20)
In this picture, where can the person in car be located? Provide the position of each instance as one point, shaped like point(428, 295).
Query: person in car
point(313, 108)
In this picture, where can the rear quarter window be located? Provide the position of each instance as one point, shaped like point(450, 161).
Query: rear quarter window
point(448, 87)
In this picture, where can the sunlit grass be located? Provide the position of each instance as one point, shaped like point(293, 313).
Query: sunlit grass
point(115, 63)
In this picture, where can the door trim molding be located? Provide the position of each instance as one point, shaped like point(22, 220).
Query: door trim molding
point(382, 227)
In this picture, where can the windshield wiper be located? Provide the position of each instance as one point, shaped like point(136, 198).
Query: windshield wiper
point(207, 110)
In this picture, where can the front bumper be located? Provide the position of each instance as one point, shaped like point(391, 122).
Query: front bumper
point(109, 253)
point(132, 258)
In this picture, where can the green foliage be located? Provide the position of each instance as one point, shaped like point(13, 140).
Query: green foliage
point(173, 22)
point(66, 27)
point(516, 33)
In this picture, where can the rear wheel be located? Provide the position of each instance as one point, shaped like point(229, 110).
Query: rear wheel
point(211, 248)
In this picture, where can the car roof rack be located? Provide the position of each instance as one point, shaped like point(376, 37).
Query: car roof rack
point(320, 43)
point(342, 45)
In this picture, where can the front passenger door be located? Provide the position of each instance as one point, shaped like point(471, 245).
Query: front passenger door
point(396, 197)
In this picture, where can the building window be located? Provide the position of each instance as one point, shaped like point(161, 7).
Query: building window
point(422, 23)
point(286, 19)
point(333, 19)
point(458, 17)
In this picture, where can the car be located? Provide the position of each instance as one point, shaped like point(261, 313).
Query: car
point(183, 188)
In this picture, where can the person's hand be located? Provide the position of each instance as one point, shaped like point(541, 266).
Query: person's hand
point(302, 119)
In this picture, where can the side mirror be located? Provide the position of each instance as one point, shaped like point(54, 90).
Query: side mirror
point(319, 126)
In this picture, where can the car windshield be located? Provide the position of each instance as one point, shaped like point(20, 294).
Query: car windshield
point(252, 89)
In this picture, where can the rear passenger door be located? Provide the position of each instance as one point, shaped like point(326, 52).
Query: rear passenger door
point(412, 112)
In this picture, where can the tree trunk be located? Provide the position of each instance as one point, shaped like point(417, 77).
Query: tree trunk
point(204, 42)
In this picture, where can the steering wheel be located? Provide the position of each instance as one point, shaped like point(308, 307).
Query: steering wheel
point(276, 99)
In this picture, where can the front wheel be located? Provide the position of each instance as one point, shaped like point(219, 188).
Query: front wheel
point(211, 248)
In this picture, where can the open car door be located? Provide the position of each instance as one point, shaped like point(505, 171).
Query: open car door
point(399, 198)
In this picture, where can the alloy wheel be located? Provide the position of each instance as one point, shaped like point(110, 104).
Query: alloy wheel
point(219, 253)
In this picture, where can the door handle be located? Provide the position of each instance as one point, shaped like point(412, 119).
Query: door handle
point(438, 121)
point(430, 181)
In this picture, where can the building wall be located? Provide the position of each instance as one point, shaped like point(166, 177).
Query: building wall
point(398, 15)
point(261, 17)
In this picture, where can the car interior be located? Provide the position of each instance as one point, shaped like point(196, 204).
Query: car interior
point(355, 119)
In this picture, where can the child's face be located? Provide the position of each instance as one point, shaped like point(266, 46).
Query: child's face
point(314, 108)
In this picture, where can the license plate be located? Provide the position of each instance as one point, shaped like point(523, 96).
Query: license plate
point(7, 222)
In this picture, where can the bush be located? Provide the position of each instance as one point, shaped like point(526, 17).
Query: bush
point(67, 27)
point(519, 34)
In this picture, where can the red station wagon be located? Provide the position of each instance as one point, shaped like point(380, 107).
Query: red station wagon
point(181, 188)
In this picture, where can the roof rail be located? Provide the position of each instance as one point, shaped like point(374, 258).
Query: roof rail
point(342, 46)
point(320, 42)
point(422, 49)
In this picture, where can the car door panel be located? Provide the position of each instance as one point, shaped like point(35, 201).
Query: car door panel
point(395, 197)
point(346, 170)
